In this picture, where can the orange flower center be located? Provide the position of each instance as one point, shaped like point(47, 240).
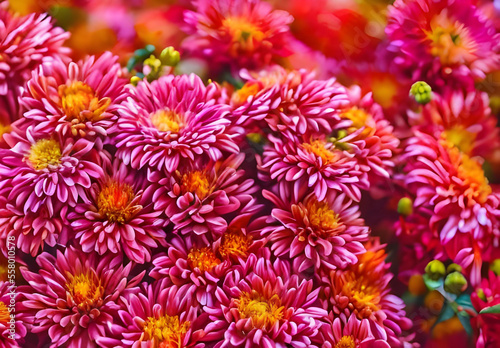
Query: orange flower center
point(196, 182)
point(4, 313)
point(80, 104)
point(167, 121)
point(204, 259)
point(165, 332)
point(44, 153)
point(114, 201)
point(363, 293)
point(263, 312)
point(346, 342)
point(86, 290)
point(244, 34)
point(471, 172)
point(318, 148)
point(321, 216)
point(359, 118)
point(4, 129)
point(249, 89)
point(234, 244)
point(461, 138)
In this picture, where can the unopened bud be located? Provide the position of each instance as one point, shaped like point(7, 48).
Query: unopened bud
point(435, 269)
point(422, 92)
point(455, 283)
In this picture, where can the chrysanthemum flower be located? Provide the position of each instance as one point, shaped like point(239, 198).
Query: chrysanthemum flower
point(454, 186)
point(261, 304)
point(73, 296)
point(6, 300)
point(119, 216)
point(170, 120)
point(315, 233)
point(156, 316)
point(362, 290)
point(240, 33)
point(25, 43)
point(198, 196)
point(314, 162)
point(487, 294)
point(76, 99)
point(442, 38)
point(43, 171)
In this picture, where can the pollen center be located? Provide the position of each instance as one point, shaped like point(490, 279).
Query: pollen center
point(321, 216)
point(359, 118)
point(167, 331)
point(196, 182)
point(249, 89)
point(114, 202)
point(204, 259)
point(263, 312)
point(243, 32)
point(44, 153)
point(86, 290)
point(167, 121)
point(79, 102)
point(346, 342)
point(471, 172)
point(461, 138)
point(363, 293)
point(4, 313)
point(318, 148)
point(234, 244)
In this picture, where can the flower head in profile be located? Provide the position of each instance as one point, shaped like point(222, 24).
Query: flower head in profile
point(7, 313)
point(198, 196)
point(171, 120)
point(241, 33)
point(262, 304)
point(320, 234)
point(439, 40)
point(77, 99)
point(119, 216)
point(74, 296)
point(157, 316)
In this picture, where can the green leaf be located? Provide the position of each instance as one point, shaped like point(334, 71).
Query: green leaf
point(447, 312)
point(465, 320)
point(491, 310)
point(464, 301)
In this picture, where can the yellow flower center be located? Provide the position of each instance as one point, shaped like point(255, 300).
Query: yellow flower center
point(249, 89)
point(234, 244)
point(318, 148)
point(166, 332)
point(243, 32)
point(363, 293)
point(321, 216)
point(359, 118)
point(263, 312)
point(167, 121)
point(471, 172)
point(80, 104)
point(86, 290)
point(114, 201)
point(204, 259)
point(461, 138)
point(4, 129)
point(44, 153)
point(346, 342)
point(196, 182)
point(4, 313)
point(451, 41)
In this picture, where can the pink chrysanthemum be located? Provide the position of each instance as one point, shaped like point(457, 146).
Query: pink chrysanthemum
point(261, 304)
point(170, 120)
point(487, 294)
point(119, 216)
point(442, 38)
point(76, 99)
point(43, 171)
point(25, 43)
point(240, 33)
point(453, 185)
point(316, 163)
point(362, 290)
point(10, 336)
point(315, 233)
point(73, 296)
point(463, 119)
point(156, 316)
point(198, 196)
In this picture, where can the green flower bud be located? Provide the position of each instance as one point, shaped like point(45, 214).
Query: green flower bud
point(495, 266)
point(481, 294)
point(134, 80)
point(455, 283)
point(422, 92)
point(435, 269)
point(169, 56)
point(405, 206)
point(453, 268)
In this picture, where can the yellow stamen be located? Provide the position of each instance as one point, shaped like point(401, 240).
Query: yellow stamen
point(471, 172)
point(114, 201)
point(359, 118)
point(263, 312)
point(243, 33)
point(80, 104)
point(165, 332)
point(363, 293)
point(318, 148)
point(44, 153)
point(461, 138)
point(346, 342)
point(249, 89)
point(4, 313)
point(86, 290)
point(167, 121)
point(196, 182)
point(204, 259)
point(234, 244)
point(321, 216)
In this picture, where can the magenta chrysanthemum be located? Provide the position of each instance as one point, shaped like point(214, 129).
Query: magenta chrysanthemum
point(238, 33)
point(75, 99)
point(171, 120)
point(198, 196)
point(316, 233)
point(119, 216)
point(261, 304)
point(12, 324)
point(156, 316)
point(442, 38)
point(73, 296)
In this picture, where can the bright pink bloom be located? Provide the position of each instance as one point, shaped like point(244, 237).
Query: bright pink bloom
point(8, 307)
